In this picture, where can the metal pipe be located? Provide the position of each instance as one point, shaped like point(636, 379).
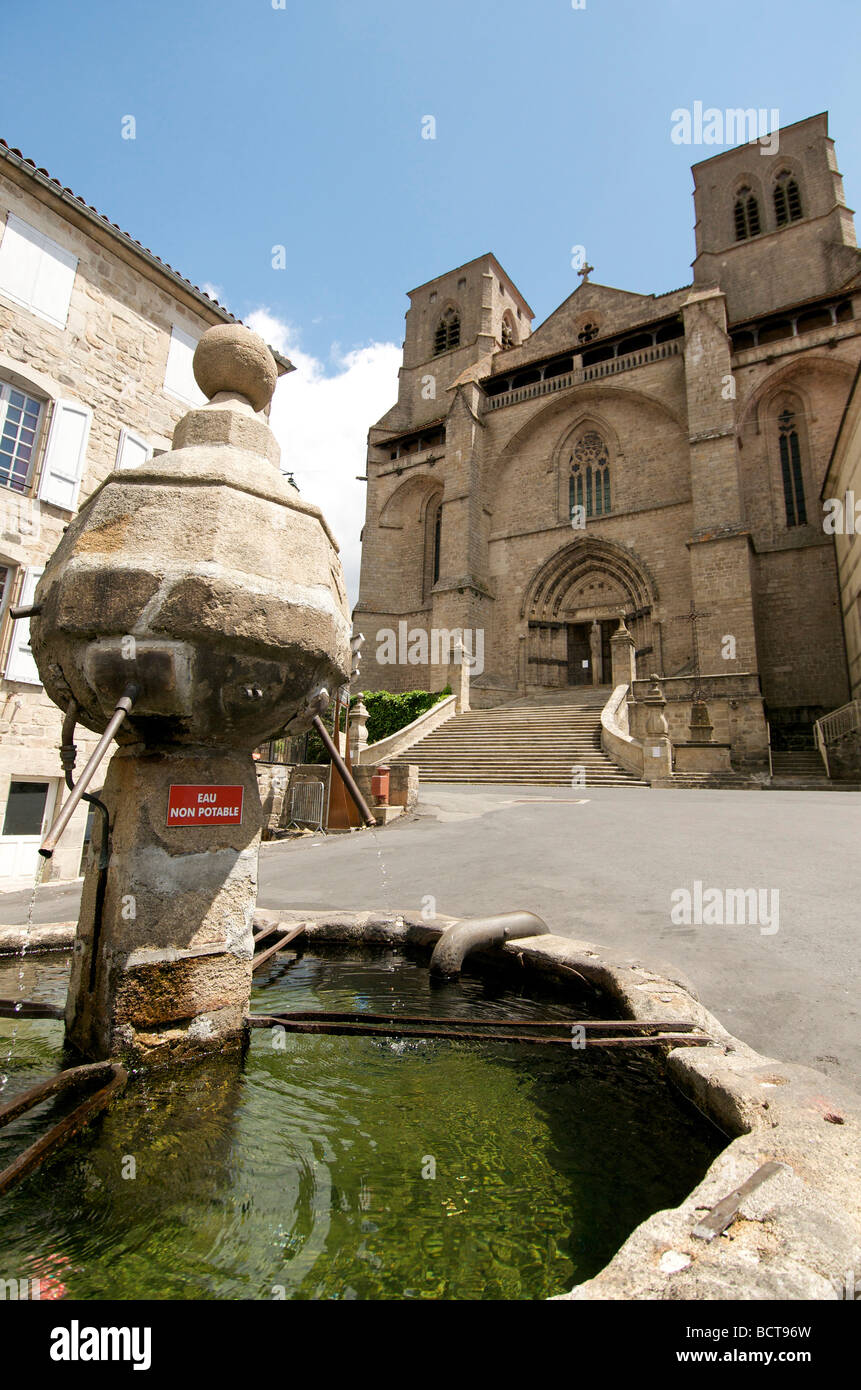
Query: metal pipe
point(344, 772)
point(459, 940)
point(25, 610)
point(360, 1029)
point(123, 705)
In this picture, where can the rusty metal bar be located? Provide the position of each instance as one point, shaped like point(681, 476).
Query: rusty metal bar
point(66, 1129)
point(123, 705)
point(264, 956)
point(28, 1008)
point(720, 1216)
point(344, 772)
point(325, 1016)
point(359, 1029)
point(25, 610)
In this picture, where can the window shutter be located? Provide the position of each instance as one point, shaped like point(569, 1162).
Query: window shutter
point(20, 255)
point(179, 374)
point(132, 451)
point(65, 454)
point(36, 271)
point(20, 666)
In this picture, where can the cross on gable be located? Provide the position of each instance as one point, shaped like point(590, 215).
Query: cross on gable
point(585, 271)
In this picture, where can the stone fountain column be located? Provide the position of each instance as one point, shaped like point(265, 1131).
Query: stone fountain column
point(206, 580)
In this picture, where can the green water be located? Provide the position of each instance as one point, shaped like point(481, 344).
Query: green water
point(305, 1172)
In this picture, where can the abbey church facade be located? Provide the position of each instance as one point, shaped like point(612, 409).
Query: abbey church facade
point(653, 456)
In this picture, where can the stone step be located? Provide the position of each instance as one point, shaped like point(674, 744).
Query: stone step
point(522, 744)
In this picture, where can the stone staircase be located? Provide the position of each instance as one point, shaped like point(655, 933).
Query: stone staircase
point(799, 762)
point(531, 741)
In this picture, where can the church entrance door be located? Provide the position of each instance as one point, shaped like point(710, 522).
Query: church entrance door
point(579, 654)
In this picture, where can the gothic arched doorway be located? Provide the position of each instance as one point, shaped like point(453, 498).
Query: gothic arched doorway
point(573, 604)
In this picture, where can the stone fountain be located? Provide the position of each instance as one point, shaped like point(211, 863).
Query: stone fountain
point(194, 608)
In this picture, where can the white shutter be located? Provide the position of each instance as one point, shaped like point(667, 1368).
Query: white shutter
point(20, 254)
point(65, 454)
point(20, 665)
point(132, 451)
point(179, 374)
point(36, 271)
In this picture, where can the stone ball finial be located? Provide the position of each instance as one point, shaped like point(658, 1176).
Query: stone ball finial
point(229, 357)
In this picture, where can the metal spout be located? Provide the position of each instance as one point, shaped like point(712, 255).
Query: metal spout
point(123, 705)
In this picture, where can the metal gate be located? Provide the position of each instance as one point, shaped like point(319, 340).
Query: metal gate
point(306, 804)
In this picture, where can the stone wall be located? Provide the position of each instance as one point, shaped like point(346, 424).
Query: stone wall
point(276, 782)
point(111, 356)
point(735, 708)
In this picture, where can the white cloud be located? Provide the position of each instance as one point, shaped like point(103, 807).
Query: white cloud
point(322, 423)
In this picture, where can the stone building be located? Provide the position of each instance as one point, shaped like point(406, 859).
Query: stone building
point(96, 340)
point(841, 499)
point(657, 455)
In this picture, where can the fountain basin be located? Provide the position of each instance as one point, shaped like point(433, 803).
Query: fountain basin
point(793, 1238)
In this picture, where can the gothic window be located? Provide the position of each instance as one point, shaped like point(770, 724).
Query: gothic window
point(587, 333)
point(746, 214)
point(433, 543)
point(589, 482)
point(790, 467)
point(448, 332)
point(787, 199)
point(437, 541)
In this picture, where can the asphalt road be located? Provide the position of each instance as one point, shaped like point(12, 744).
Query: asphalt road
point(604, 869)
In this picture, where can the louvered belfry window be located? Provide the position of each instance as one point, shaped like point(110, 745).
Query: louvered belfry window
point(787, 199)
point(746, 213)
point(448, 332)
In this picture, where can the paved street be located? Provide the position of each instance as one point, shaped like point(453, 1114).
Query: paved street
point(604, 870)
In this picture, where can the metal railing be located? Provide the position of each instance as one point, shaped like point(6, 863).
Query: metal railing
point(833, 726)
point(306, 804)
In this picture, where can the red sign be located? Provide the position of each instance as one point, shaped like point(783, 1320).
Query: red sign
point(188, 805)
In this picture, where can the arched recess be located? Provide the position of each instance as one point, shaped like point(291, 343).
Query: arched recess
point(411, 523)
point(546, 505)
point(587, 581)
point(571, 464)
point(754, 410)
point(432, 543)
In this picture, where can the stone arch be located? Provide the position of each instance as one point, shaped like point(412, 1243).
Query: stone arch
point(576, 596)
point(786, 377)
point(408, 522)
point(554, 578)
point(583, 403)
point(409, 501)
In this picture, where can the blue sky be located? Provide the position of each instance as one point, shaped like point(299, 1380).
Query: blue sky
point(301, 126)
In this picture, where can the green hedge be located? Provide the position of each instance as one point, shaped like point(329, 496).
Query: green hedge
point(387, 713)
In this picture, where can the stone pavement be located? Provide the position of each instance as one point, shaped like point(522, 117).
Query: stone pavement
point(602, 865)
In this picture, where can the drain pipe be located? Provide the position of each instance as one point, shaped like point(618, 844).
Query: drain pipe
point(461, 939)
